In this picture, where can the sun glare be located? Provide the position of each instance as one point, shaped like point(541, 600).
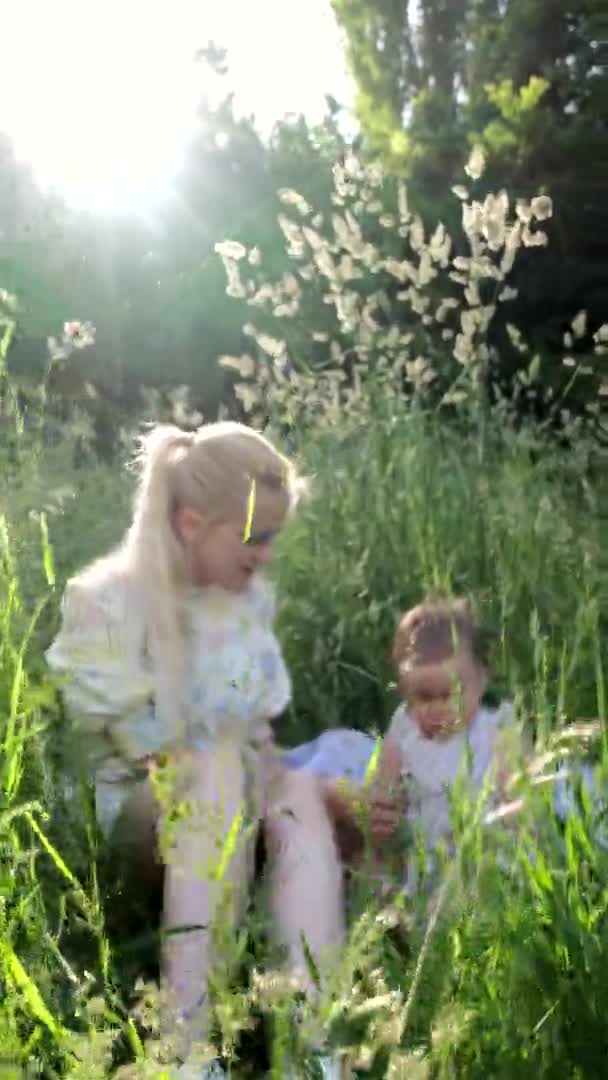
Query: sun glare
point(100, 96)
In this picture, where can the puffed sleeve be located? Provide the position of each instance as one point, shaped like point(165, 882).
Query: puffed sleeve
point(100, 650)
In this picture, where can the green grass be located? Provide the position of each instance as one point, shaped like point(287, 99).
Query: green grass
point(512, 977)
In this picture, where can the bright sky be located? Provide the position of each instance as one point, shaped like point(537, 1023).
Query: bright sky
point(99, 95)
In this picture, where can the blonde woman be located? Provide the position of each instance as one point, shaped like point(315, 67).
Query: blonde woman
point(169, 650)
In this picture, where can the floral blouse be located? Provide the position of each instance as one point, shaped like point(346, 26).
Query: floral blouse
point(235, 675)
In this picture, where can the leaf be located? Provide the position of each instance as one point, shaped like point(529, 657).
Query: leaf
point(47, 552)
point(30, 991)
point(229, 845)
point(534, 369)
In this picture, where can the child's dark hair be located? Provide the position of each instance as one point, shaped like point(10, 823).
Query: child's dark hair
point(437, 628)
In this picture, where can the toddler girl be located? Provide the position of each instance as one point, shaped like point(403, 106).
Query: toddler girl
point(441, 673)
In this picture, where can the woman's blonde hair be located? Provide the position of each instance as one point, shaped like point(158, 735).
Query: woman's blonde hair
point(228, 472)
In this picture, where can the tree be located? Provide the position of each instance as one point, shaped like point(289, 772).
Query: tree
point(526, 80)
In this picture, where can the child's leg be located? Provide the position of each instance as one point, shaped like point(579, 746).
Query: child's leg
point(305, 874)
point(215, 786)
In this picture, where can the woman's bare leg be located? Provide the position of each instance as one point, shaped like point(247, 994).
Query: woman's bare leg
point(306, 880)
point(193, 893)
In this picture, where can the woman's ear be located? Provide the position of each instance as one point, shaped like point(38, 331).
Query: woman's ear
point(187, 524)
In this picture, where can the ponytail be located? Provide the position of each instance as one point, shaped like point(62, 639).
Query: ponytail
point(153, 552)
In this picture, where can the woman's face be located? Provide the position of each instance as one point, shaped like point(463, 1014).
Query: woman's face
point(227, 555)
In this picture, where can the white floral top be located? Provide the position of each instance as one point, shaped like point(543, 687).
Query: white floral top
point(236, 679)
point(431, 767)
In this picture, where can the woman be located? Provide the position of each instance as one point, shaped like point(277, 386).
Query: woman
point(170, 653)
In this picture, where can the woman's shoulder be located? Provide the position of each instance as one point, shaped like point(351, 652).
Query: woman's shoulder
point(106, 589)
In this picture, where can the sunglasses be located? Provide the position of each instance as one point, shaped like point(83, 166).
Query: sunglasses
point(262, 538)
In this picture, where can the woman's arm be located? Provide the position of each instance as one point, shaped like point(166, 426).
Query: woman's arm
point(108, 691)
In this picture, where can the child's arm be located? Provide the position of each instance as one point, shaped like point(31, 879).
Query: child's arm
point(381, 802)
point(386, 799)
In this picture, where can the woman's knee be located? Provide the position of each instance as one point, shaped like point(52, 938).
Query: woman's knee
point(299, 815)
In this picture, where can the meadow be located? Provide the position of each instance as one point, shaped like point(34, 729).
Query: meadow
point(504, 971)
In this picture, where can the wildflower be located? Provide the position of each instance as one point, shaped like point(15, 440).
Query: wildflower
point(516, 338)
point(447, 304)
point(471, 294)
point(247, 395)
point(476, 163)
point(314, 239)
point(402, 270)
point(292, 198)
point(542, 207)
point(507, 294)
point(533, 239)
point(460, 191)
point(235, 287)
point(440, 244)
point(419, 371)
point(512, 243)
point(293, 235)
point(271, 345)
point(417, 234)
point(264, 295)
point(463, 349)
point(425, 270)
point(245, 365)
point(286, 311)
point(230, 249)
point(523, 209)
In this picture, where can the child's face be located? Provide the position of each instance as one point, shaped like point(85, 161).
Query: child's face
point(443, 694)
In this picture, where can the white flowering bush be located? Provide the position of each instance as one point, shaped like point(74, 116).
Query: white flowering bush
point(374, 298)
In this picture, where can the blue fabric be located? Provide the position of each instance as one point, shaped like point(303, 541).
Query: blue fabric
point(345, 753)
point(340, 753)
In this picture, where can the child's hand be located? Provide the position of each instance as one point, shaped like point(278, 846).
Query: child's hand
point(384, 815)
point(386, 810)
point(386, 800)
